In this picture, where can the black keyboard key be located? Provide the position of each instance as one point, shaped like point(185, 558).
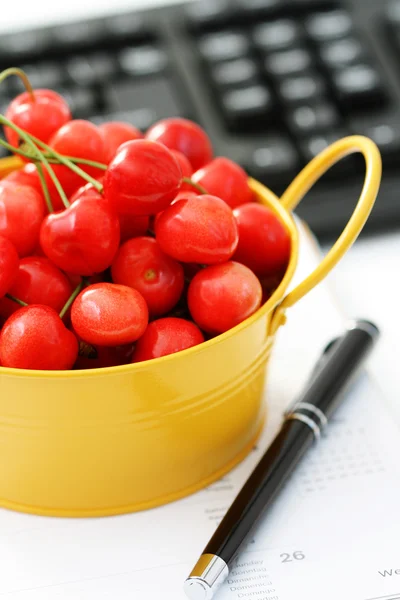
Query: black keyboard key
point(89, 69)
point(277, 35)
point(342, 53)
point(240, 72)
point(143, 60)
point(225, 45)
point(27, 43)
point(359, 87)
point(384, 130)
point(82, 34)
point(126, 26)
point(81, 100)
point(142, 118)
point(154, 97)
point(329, 25)
point(303, 88)
point(208, 13)
point(248, 106)
point(41, 75)
point(288, 62)
point(306, 120)
point(275, 159)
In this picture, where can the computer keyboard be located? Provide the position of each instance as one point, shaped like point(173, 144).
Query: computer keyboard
point(273, 82)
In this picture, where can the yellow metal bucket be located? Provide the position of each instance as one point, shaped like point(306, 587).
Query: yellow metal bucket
point(123, 439)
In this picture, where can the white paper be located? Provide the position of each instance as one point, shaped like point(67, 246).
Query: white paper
point(333, 533)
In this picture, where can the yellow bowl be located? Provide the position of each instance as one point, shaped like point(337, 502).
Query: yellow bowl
point(122, 439)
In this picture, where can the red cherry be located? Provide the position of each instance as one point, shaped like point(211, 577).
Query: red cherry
point(264, 243)
point(222, 296)
point(184, 163)
point(38, 281)
point(35, 337)
point(40, 117)
point(100, 357)
point(200, 230)
point(85, 190)
point(166, 336)
point(186, 137)
point(21, 215)
point(142, 179)
point(83, 239)
point(81, 139)
point(8, 265)
point(107, 314)
point(28, 175)
point(143, 266)
point(116, 133)
point(225, 179)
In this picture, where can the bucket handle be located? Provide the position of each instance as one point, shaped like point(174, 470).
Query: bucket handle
point(305, 181)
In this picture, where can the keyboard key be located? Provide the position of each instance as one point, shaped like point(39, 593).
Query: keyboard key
point(86, 33)
point(275, 159)
point(142, 118)
point(342, 53)
point(277, 35)
point(329, 26)
point(27, 43)
point(42, 75)
point(223, 46)
point(123, 26)
point(91, 68)
point(81, 100)
point(252, 105)
point(154, 97)
point(288, 62)
point(240, 72)
point(143, 60)
point(304, 88)
point(384, 130)
point(306, 120)
point(359, 86)
point(206, 13)
point(314, 145)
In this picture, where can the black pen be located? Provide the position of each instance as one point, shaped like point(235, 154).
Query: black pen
point(303, 424)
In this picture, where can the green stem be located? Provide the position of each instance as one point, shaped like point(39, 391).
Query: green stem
point(28, 139)
point(72, 297)
point(65, 161)
point(17, 300)
point(83, 161)
point(44, 188)
point(196, 186)
point(22, 75)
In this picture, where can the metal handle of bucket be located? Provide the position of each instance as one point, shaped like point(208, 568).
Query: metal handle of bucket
point(304, 182)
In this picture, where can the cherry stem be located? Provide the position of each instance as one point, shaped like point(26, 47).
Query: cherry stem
point(22, 75)
point(72, 297)
point(17, 300)
point(196, 186)
point(82, 161)
point(65, 161)
point(29, 140)
point(44, 188)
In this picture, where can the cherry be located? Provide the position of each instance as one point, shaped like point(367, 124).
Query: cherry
point(130, 225)
point(35, 337)
point(83, 239)
point(107, 314)
point(96, 357)
point(142, 265)
point(222, 296)
point(186, 137)
point(80, 139)
point(184, 164)
point(40, 117)
point(8, 265)
point(21, 214)
point(226, 179)
point(264, 243)
point(28, 175)
point(38, 281)
point(166, 336)
point(200, 230)
point(116, 133)
point(142, 179)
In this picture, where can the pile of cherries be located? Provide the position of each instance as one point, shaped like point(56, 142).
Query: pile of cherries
point(118, 246)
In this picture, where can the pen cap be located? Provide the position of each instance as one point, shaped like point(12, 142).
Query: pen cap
point(339, 366)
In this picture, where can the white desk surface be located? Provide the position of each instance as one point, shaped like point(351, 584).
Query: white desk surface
point(365, 282)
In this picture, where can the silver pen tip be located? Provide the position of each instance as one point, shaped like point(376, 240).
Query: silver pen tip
point(208, 575)
point(195, 589)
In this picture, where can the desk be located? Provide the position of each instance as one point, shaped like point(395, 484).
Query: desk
point(365, 282)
